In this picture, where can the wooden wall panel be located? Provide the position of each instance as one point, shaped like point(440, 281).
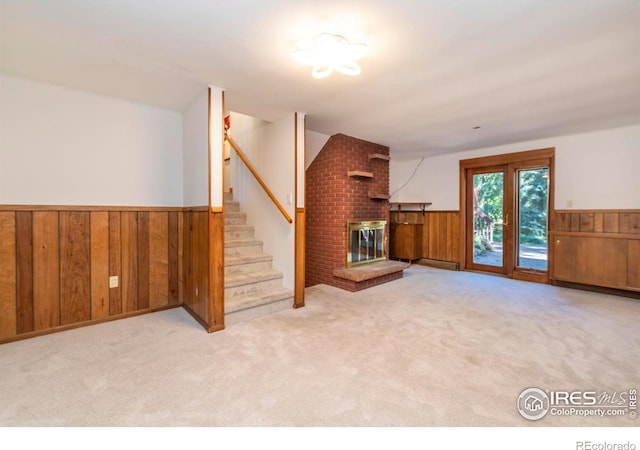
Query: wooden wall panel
point(129, 255)
point(633, 265)
point(598, 222)
point(182, 274)
point(441, 232)
point(55, 264)
point(630, 223)
point(143, 260)
point(299, 261)
point(215, 269)
point(173, 257)
point(586, 222)
point(562, 222)
point(575, 222)
point(24, 269)
point(8, 284)
point(611, 221)
point(196, 242)
point(75, 267)
point(158, 259)
point(599, 250)
point(115, 261)
point(202, 269)
point(46, 270)
point(99, 264)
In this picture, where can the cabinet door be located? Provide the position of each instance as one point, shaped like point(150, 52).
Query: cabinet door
point(406, 241)
point(591, 260)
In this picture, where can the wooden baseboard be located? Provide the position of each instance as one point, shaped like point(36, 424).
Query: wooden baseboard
point(72, 326)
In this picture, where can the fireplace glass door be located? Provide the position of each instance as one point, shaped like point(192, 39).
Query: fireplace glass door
point(366, 242)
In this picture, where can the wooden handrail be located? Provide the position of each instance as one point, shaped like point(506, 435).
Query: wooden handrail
point(246, 162)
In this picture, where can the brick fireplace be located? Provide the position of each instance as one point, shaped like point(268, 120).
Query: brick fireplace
point(347, 182)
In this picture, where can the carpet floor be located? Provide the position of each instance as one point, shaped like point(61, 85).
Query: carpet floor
point(435, 348)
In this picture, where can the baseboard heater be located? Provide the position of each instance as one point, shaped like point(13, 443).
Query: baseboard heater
point(449, 265)
point(598, 289)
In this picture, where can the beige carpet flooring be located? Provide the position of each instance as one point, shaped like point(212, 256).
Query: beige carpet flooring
point(436, 348)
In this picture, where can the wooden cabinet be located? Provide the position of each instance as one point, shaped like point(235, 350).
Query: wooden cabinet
point(406, 241)
point(598, 261)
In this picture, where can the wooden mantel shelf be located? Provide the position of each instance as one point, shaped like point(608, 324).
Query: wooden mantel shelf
point(399, 205)
point(359, 173)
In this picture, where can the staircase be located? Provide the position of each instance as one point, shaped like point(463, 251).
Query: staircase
point(252, 288)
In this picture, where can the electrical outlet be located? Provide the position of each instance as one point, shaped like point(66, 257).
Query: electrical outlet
point(290, 199)
point(113, 281)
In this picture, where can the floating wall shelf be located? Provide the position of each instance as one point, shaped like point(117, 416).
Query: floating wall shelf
point(360, 174)
point(399, 205)
point(379, 156)
point(373, 196)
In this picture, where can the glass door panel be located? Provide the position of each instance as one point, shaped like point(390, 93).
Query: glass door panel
point(533, 205)
point(488, 212)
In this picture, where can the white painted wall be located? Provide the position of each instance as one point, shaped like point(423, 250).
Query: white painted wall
point(216, 145)
point(314, 142)
point(597, 170)
point(66, 147)
point(271, 149)
point(301, 153)
point(196, 152)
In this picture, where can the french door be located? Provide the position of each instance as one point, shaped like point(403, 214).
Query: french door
point(507, 214)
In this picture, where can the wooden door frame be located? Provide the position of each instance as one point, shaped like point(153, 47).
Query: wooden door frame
point(525, 157)
point(506, 263)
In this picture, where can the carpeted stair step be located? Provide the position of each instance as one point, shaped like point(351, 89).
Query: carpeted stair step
point(235, 218)
point(242, 247)
point(251, 306)
point(250, 263)
point(231, 206)
point(235, 232)
point(248, 283)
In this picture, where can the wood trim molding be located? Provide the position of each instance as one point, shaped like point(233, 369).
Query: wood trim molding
point(89, 208)
point(507, 158)
point(86, 323)
point(595, 235)
point(216, 271)
point(595, 211)
point(300, 256)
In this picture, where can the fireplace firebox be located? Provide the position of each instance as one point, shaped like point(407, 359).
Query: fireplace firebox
point(366, 242)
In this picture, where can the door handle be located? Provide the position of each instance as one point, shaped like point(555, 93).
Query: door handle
point(505, 223)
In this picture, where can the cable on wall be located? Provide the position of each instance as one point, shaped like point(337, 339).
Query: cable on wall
point(409, 179)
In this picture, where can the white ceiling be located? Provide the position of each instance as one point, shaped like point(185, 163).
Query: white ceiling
point(520, 69)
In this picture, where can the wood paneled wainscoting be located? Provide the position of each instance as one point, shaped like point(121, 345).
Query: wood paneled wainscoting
point(55, 264)
point(596, 248)
point(440, 240)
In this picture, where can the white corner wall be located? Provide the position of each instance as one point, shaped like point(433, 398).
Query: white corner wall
point(60, 146)
point(195, 142)
point(314, 142)
point(271, 149)
point(596, 170)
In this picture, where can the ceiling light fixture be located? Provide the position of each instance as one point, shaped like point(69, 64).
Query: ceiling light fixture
point(331, 52)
